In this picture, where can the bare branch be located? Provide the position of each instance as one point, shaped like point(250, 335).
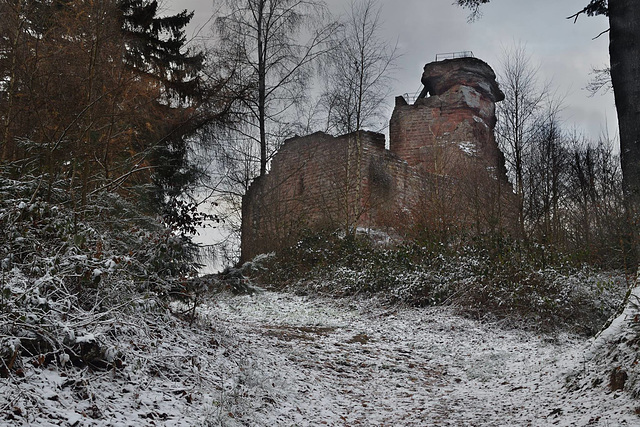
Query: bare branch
point(603, 32)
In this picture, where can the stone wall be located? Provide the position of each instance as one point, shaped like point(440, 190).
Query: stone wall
point(320, 181)
point(443, 169)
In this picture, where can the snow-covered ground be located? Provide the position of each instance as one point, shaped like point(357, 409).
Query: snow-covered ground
point(283, 360)
point(317, 362)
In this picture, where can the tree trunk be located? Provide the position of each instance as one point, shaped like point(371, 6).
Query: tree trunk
point(624, 52)
point(7, 153)
point(262, 83)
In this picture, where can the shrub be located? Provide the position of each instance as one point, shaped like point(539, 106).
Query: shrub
point(489, 276)
point(67, 276)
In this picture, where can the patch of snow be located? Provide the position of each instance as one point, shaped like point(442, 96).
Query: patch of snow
point(379, 236)
point(110, 265)
point(480, 120)
point(354, 363)
point(468, 147)
point(86, 338)
point(273, 359)
point(64, 359)
point(110, 354)
point(616, 327)
point(485, 86)
point(471, 96)
point(96, 274)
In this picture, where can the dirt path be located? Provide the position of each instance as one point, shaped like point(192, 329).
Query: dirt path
point(314, 362)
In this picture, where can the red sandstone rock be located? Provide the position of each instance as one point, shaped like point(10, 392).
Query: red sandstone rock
point(440, 76)
point(440, 133)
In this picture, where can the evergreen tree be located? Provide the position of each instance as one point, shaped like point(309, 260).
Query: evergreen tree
point(103, 95)
point(156, 47)
point(156, 52)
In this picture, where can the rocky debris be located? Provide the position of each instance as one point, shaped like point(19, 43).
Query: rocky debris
point(441, 76)
point(617, 379)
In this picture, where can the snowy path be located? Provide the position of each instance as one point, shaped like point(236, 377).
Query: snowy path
point(309, 361)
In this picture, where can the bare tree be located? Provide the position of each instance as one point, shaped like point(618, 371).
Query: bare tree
point(518, 115)
point(12, 29)
point(596, 219)
point(624, 48)
point(357, 84)
point(260, 43)
point(600, 81)
point(358, 80)
point(266, 51)
point(546, 173)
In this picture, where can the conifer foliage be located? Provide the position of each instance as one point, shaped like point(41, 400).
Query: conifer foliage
point(101, 95)
point(155, 46)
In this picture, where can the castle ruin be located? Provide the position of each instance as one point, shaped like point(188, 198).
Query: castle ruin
point(443, 169)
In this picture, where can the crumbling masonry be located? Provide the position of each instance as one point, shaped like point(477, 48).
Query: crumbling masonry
point(442, 171)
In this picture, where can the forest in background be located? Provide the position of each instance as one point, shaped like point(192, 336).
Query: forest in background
point(111, 96)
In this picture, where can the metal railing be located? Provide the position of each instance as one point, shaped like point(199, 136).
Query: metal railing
point(454, 55)
point(411, 97)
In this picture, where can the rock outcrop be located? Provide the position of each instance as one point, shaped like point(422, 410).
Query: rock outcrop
point(444, 132)
point(439, 77)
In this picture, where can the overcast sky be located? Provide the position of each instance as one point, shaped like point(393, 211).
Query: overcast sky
point(564, 51)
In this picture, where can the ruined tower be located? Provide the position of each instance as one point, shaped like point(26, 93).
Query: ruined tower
point(443, 171)
point(451, 121)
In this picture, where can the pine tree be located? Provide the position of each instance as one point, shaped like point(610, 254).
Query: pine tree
point(104, 95)
point(156, 47)
point(156, 52)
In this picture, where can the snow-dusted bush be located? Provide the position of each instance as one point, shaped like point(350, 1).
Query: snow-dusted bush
point(487, 277)
point(68, 277)
point(237, 280)
point(580, 297)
